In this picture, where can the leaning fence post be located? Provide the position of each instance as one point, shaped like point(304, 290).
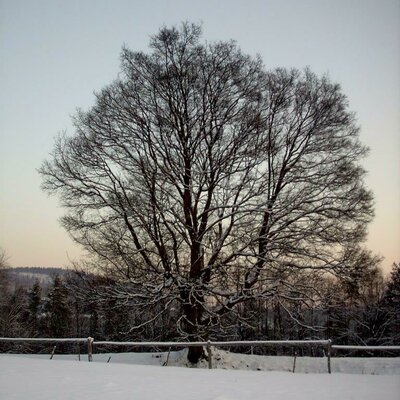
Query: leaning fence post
point(52, 353)
point(329, 351)
point(90, 348)
point(209, 354)
point(294, 361)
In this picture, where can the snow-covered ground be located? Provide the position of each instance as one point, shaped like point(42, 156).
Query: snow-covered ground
point(225, 360)
point(39, 379)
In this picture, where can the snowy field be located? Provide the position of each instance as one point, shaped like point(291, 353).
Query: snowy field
point(225, 360)
point(38, 379)
point(127, 376)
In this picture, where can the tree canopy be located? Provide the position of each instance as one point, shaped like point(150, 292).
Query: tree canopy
point(201, 178)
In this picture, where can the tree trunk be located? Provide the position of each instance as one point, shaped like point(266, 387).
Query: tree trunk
point(195, 354)
point(193, 312)
point(194, 300)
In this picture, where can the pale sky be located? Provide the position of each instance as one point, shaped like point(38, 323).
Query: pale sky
point(54, 54)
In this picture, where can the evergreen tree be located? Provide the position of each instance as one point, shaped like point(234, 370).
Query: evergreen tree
point(393, 288)
point(94, 320)
point(391, 303)
point(116, 321)
point(34, 303)
point(58, 310)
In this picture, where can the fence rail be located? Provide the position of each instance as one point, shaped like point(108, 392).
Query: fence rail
point(366, 348)
point(43, 340)
point(90, 342)
point(219, 344)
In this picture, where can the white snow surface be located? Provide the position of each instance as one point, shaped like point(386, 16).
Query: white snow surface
point(40, 379)
point(222, 359)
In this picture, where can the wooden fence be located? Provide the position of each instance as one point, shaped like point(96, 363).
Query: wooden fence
point(325, 344)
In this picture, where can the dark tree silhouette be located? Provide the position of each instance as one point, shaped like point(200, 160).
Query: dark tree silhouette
point(58, 309)
point(391, 303)
point(34, 307)
point(198, 177)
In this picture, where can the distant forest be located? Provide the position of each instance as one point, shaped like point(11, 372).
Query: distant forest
point(37, 270)
point(65, 303)
point(26, 277)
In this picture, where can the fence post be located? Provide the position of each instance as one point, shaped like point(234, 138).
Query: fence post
point(329, 351)
point(209, 354)
point(52, 353)
point(294, 361)
point(90, 348)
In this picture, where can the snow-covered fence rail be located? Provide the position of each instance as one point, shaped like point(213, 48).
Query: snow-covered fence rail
point(338, 347)
point(291, 343)
point(44, 340)
point(365, 348)
point(88, 341)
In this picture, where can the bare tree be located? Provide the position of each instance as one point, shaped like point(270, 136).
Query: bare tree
point(198, 177)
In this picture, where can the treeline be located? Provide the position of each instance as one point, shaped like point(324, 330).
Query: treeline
point(36, 270)
point(25, 277)
point(361, 312)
